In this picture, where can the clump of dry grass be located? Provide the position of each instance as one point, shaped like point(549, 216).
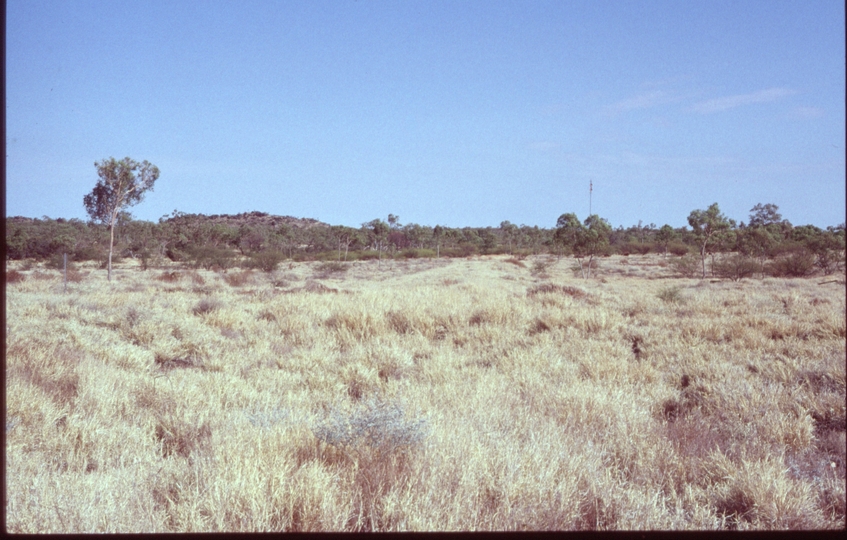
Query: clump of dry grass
point(377, 441)
point(552, 288)
point(206, 305)
point(170, 277)
point(13, 276)
point(239, 279)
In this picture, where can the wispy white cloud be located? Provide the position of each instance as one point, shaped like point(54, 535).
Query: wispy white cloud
point(642, 101)
point(804, 113)
point(730, 102)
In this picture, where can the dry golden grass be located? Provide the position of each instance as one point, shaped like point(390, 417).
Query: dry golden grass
point(427, 395)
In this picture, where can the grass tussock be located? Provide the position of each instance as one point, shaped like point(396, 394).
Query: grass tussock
point(428, 396)
point(13, 276)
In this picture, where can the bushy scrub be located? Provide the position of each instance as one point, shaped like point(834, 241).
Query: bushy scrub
point(266, 261)
point(687, 265)
point(735, 267)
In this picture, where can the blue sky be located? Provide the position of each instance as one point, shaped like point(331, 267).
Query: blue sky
point(461, 113)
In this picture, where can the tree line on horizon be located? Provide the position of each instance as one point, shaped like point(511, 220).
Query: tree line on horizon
point(259, 240)
point(256, 239)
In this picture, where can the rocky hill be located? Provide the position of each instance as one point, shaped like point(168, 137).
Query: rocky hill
point(261, 219)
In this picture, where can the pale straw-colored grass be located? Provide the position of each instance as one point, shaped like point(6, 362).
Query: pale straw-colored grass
point(486, 398)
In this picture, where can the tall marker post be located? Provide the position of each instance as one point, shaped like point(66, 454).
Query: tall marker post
point(590, 191)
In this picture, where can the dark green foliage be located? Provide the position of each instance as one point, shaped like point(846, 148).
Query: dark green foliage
point(57, 262)
point(90, 252)
point(121, 184)
point(104, 263)
point(711, 229)
point(634, 248)
point(209, 257)
point(216, 242)
point(799, 262)
point(677, 248)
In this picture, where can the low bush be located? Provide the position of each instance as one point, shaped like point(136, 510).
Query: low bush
point(734, 267)
point(169, 277)
point(586, 266)
point(57, 262)
point(378, 442)
point(267, 261)
point(687, 265)
point(540, 267)
point(551, 288)
point(331, 267)
point(670, 295)
point(90, 253)
point(237, 279)
point(799, 263)
point(635, 248)
point(104, 263)
point(417, 253)
point(208, 257)
point(679, 249)
point(369, 255)
point(206, 305)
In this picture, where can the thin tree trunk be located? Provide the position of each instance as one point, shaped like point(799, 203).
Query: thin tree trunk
point(111, 246)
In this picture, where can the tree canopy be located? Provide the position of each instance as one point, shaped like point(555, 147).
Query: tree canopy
point(121, 184)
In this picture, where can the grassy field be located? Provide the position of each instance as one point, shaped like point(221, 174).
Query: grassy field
point(424, 395)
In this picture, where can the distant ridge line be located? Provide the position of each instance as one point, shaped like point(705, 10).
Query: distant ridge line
point(251, 218)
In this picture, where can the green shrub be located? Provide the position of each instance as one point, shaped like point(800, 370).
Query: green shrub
point(540, 267)
point(687, 265)
point(267, 261)
point(368, 255)
point(146, 257)
point(104, 261)
point(634, 248)
point(56, 262)
point(734, 267)
point(91, 252)
point(677, 248)
point(210, 257)
point(800, 263)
